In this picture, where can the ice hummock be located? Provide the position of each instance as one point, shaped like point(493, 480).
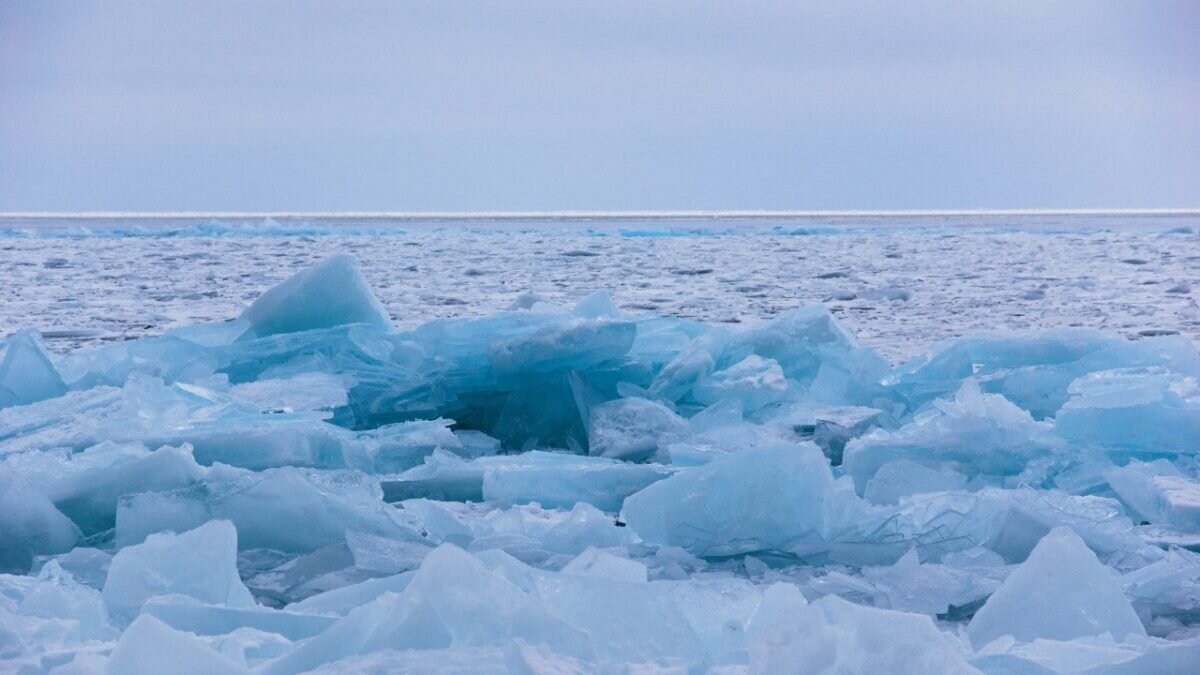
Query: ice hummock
point(577, 489)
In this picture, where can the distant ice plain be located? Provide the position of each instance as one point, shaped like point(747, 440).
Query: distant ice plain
point(900, 281)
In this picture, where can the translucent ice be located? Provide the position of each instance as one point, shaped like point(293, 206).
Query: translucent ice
point(904, 477)
point(332, 293)
point(199, 563)
point(973, 433)
point(529, 532)
point(1159, 493)
point(57, 595)
point(302, 392)
point(814, 350)
point(1034, 370)
point(147, 411)
point(595, 562)
point(932, 588)
point(453, 601)
point(150, 646)
point(1060, 592)
point(86, 486)
point(185, 613)
point(282, 509)
point(1145, 412)
point(29, 524)
point(398, 447)
point(168, 358)
point(764, 499)
point(26, 373)
point(835, 636)
point(754, 381)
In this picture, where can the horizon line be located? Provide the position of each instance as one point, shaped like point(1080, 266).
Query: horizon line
point(515, 215)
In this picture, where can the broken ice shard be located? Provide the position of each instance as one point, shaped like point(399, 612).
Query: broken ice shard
point(1134, 412)
point(200, 563)
point(763, 499)
point(845, 638)
point(1060, 592)
point(29, 524)
point(26, 373)
point(331, 293)
point(1158, 493)
point(283, 509)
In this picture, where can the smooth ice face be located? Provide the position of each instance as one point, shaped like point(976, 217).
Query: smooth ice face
point(596, 563)
point(835, 636)
point(629, 620)
point(283, 509)
point(778, 608)
point(904, 477)
point(1157, 492)
point(86, 486)
point(199, 563)
point(26, 373)
point(331, 293)
point(764, 499)
point(29, 524)
point(151, 646)
point(1060, 592)
point(1143, 412)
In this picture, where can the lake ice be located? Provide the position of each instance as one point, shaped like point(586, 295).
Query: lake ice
point(607, 447)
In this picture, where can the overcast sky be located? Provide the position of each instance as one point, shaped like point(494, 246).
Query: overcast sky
point(257, 105)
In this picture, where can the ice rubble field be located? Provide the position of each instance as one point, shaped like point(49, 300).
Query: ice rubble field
point(556, 489)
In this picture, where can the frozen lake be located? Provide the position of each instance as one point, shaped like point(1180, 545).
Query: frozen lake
point(901, 282)
point(308, 488)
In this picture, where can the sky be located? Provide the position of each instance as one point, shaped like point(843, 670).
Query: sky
point(365, 105)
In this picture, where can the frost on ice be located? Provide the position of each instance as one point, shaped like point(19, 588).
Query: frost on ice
point(573, 490)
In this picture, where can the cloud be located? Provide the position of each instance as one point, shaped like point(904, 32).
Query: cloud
point(597, 105)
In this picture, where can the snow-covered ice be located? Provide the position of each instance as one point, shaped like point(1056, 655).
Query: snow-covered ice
point(85, 281)
point(309, 486)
